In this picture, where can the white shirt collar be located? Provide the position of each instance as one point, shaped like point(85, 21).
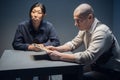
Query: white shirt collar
point(93, 26)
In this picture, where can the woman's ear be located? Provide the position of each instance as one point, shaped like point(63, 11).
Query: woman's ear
point(45, 14)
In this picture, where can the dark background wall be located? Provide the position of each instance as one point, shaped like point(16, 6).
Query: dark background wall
point(116, 19)
point(59, 12)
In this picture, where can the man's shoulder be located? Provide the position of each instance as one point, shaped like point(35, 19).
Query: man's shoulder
point(102, 27)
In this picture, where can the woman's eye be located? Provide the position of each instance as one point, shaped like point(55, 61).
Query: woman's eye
point(39, 12)
point(33, 11)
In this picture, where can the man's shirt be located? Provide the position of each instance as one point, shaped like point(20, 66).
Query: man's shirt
point(98, 42)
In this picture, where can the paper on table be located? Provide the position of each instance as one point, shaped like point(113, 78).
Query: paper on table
point(42, 47)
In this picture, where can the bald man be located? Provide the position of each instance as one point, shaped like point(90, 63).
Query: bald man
point(102, 50)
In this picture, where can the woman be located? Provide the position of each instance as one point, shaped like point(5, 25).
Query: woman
point(35, 31)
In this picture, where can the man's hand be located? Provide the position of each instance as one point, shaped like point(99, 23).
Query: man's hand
point(54, 55)
point(51, 48)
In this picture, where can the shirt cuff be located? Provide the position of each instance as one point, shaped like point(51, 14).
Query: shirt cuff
point(26, 46)
point(77, 57)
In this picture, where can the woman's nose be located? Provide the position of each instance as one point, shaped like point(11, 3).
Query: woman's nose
point(35, 14)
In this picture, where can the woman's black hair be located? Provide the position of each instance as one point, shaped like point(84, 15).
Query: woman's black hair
point(38, 4)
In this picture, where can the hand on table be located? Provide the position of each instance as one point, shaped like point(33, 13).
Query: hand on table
point(37, 47)
point(54, 55)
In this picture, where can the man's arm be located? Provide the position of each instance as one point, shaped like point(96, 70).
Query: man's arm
point(62, 48)
point(55, 55)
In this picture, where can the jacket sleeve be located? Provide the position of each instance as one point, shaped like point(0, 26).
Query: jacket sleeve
point(18, 42)
point(77, 41)
point(101, 41)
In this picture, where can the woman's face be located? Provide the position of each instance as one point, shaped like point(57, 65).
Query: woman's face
point(37, 15)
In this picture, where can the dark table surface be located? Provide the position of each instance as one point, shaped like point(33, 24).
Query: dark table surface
point(17, 62)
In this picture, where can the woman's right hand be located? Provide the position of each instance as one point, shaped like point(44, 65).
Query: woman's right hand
point(31, 47)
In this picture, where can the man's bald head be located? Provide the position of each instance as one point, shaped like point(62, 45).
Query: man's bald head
point(84, 10)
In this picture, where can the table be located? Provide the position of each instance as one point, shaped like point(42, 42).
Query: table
point(15, 63)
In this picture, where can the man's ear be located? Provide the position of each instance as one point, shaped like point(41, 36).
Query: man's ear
point(90, 16)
